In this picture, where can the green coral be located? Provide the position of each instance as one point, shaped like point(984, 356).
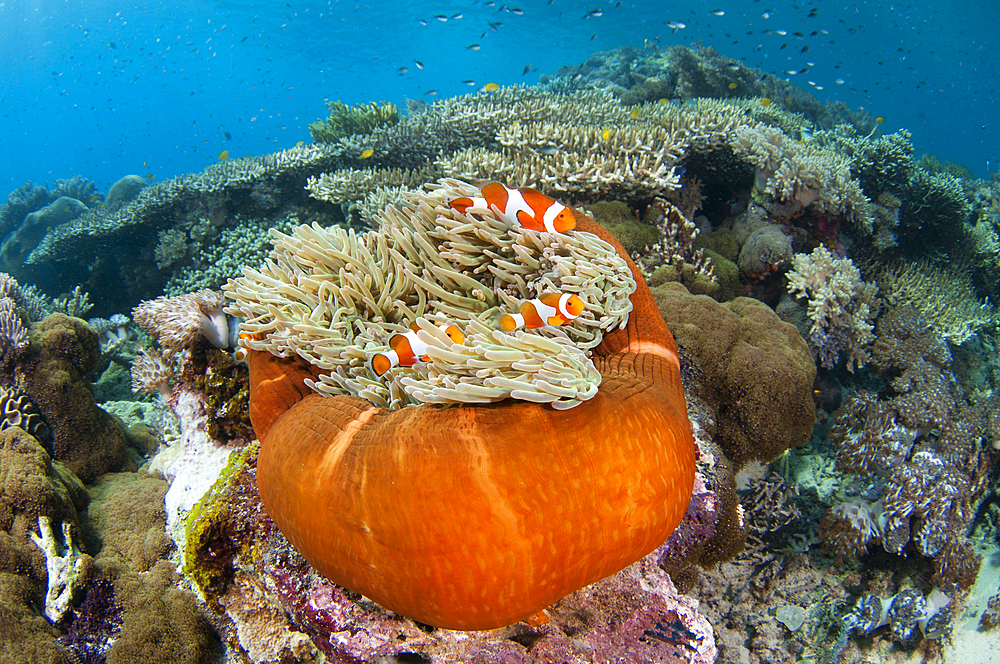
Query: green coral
point(635, 235)
point(347, 120)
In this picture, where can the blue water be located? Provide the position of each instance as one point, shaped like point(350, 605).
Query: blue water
point(102, 89)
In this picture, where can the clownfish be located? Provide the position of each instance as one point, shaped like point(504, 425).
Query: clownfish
point(549, 309)
point(406, 349)
point(240, 354)
point(530, 207)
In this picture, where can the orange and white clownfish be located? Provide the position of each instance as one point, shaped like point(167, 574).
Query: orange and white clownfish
point(549, 309)
point(406, 349)
point(240, 354)
point(530, 207)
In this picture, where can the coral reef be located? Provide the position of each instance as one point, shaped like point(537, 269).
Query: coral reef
point(61, 352)
point(756, 372)
point(347, 120)
point(841, 306)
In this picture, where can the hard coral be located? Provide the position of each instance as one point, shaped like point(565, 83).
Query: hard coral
point(62, 351)
point(347, 120)
point(841, 305)
point(757, 371)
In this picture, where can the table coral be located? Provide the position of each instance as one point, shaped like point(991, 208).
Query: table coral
point(636, 461)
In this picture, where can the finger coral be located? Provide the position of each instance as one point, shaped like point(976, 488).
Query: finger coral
point(841, 305)
point(381, 500)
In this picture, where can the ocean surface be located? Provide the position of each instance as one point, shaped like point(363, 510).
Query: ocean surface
point(102, 89)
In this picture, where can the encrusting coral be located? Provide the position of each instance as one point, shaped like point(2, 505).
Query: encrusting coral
point(482, 457)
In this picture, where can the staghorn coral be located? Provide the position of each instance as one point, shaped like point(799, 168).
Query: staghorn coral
point(347, 120)
point(841, 306)
point(171, 248)
point(943, 297)
point(221, 258)
point(448, 267)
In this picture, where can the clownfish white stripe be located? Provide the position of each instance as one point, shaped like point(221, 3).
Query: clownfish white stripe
point(518, 321)
point(549, 218)
point(545, 311)
point(563, 306)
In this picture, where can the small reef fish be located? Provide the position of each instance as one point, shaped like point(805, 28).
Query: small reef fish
point(491, 87)
point(406, 349)
point(530, 207)
point(224, 155)
point(549, 309)
point(366, 154)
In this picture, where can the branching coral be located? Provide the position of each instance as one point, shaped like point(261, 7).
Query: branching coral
point(806, 173)
point(841, 305)
point(347, 120)
point(446, 266)
point(676, 243)
point(944, 297)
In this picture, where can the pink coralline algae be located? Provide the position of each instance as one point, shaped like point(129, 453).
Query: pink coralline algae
point(635, 615)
